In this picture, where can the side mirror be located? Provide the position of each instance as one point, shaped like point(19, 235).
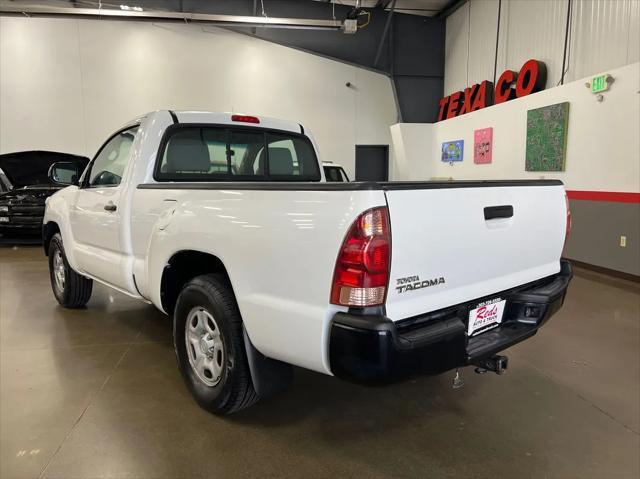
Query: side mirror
point(64, 173)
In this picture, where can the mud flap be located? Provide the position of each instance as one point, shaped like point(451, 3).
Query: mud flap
point(269, 376)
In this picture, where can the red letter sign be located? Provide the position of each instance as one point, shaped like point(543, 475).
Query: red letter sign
point(443, 103)
point(504, 92)
point(532, 78)
point(453, 104)
point(484, 96)
point(469, 93)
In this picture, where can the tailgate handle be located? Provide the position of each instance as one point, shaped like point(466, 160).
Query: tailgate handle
point(492, 212)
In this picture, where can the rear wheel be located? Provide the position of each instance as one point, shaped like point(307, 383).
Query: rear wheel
point(71, 289)
point(209, 345)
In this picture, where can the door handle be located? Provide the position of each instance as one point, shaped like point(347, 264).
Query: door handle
point(492, 212)
point(110, 207)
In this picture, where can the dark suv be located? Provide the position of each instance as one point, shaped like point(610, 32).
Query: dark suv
point(24, 187)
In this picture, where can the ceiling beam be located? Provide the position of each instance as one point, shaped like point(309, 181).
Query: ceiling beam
point(382, 4)
point(219, 20)
point(384, 34)
point(255, 12)
point(450, 7)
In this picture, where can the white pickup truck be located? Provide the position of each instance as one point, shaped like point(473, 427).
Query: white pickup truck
point(225, 223)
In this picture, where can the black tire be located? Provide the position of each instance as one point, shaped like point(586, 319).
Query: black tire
point(234, 390)
point(76, 291)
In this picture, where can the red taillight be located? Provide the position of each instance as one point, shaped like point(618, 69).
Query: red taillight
point(362, 269)
point(568, 222)
point(245, 118)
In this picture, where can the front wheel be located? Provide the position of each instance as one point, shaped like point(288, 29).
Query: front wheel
point(71, 289)
point(209, 346)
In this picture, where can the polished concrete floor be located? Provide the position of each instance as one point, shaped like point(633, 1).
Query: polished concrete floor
point(95, 393)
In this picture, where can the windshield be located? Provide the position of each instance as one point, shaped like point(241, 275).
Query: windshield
point(5, 185)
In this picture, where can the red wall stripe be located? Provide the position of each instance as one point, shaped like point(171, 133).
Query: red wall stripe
point(613, 196)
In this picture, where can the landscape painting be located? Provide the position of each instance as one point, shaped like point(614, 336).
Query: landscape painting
point(547, 138)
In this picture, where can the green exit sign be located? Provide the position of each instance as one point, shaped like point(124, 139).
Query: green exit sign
point(599, 84)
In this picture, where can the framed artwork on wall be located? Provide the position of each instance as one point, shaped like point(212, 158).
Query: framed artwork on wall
point(452, 151)
point(547, 138)
point(482, 146)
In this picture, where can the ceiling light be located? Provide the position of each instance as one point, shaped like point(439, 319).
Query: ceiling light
point(130, 9)
point(127, 11)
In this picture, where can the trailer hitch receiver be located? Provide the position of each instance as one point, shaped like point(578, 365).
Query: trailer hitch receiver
point(496, 364)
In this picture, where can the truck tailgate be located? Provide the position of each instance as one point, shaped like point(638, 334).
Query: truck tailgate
point(457, 242)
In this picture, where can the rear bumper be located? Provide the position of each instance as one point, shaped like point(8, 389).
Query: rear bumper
point(374, 349)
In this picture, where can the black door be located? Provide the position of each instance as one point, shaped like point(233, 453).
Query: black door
point(372, 162)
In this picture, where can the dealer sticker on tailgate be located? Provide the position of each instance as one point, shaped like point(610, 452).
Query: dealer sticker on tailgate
point(486, 316)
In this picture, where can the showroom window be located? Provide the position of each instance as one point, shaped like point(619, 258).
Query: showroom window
point(223, 154)
point(109, 165)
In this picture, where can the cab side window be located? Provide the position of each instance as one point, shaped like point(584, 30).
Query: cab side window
point(108, 167)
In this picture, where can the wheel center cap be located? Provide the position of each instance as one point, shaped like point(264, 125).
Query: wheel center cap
point(206, 344)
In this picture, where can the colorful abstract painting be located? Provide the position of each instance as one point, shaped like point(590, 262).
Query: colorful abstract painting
point(547, 138)
point(482, 146)
point(452, 150)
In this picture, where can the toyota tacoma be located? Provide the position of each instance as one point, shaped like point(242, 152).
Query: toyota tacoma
point(225, 223)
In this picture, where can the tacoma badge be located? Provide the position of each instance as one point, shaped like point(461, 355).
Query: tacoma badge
point(410, 283)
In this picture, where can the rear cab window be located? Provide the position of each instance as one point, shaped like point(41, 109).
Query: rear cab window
point(220, 153)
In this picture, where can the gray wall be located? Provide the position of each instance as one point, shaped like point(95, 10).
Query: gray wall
point(595, 235)
point(417, 66)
